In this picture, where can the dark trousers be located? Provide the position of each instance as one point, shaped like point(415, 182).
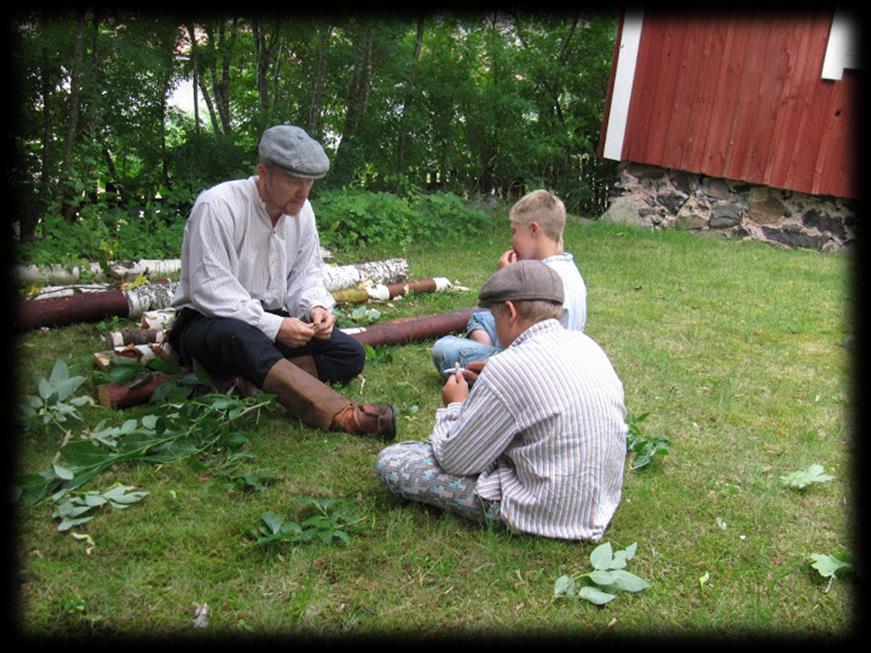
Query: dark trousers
point(229, 347)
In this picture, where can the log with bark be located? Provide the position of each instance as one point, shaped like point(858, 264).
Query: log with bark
point(340, 277)
point(92, 307)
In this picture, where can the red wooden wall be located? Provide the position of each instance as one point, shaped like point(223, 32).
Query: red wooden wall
point(741, 97)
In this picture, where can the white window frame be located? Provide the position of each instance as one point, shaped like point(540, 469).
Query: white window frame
point(842, 50)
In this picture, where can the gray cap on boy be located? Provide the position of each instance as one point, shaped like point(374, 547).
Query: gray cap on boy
point(294, 151)
point(523, 280)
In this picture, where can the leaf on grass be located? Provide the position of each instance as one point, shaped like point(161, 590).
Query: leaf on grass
point(64, 473)
point(564, 586)
point(802, 478)
point(601, 556)
point(272, 520)
point(628, 582)
point(704, 579)
point(594, 595)
point(622, 556)
point(602, 577)
point(829, 565)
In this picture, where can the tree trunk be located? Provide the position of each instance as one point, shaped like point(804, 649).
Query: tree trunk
point(314, 114)
point(199, 80)
point(358, 98)
point(409, 94)
point(64, 196)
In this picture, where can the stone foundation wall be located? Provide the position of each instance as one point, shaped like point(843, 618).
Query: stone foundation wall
point(659, 198)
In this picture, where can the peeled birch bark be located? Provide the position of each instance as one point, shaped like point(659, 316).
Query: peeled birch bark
point(53, 292)
point(381, 292)
point(348, 276)
point(118, 270)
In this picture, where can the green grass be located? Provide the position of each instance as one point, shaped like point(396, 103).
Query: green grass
point(737, 351)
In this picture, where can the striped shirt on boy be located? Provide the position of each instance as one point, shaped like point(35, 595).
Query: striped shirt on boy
point(544, 429)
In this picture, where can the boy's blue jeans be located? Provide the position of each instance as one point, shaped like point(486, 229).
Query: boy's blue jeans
point(450, 350)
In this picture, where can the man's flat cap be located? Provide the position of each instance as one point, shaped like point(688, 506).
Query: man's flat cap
point(291, 149)
point(521, 281)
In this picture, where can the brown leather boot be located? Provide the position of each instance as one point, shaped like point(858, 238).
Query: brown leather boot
point(313, 402)
point(318, 405)
point(368, 419)
point(306, 364)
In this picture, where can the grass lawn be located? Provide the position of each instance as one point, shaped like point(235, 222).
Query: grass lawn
point(740, 353)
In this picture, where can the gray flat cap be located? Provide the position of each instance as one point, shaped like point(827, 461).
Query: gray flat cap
point(291, 149)
point(520, 281)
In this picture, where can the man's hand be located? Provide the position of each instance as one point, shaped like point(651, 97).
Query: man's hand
point(293, 332)
point(508, 258)
point(323, 322)
point(455, 389)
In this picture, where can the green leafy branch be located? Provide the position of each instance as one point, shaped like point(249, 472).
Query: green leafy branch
point(644, 447)
point(609, 576)
point(174, 431)
point(331, 523)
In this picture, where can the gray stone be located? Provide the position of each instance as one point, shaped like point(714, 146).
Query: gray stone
point(717, 189)
point(690, 220)
point(794, 238)
point(685, 182)
point(724, 216)
point(672, 201)
point(824, 223)
point(623, 210)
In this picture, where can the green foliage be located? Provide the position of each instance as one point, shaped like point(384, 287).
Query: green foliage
point(76, 510)
point(349, 219)
point(643, 447)
point(172, 431)
point(609, 576)
point(331, 523)
point(54, 402)
point(805, 477)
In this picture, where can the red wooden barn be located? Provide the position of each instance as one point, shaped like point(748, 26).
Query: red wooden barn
point(759, 98)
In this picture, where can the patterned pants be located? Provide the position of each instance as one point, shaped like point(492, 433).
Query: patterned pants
point(410, 470)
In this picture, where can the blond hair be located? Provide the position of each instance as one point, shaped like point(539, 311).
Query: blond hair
point(543, 207)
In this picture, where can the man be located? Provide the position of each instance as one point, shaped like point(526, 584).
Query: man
point(539, 442)
point(252, 298)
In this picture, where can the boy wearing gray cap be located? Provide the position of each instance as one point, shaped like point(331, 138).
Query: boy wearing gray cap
point(251, 298)
point(539, 442)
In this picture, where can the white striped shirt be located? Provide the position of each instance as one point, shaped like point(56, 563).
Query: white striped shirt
point(234, 263)
point(544, 428)
point(574, 289)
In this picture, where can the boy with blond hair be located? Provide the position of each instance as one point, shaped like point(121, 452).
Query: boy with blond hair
point(537, 223)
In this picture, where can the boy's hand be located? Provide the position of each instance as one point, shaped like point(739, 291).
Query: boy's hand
point(455, 389)
point(473, 369)
point(508, 258)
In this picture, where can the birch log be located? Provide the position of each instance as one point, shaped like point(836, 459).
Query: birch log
point(91, 307)
point(340, 277)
